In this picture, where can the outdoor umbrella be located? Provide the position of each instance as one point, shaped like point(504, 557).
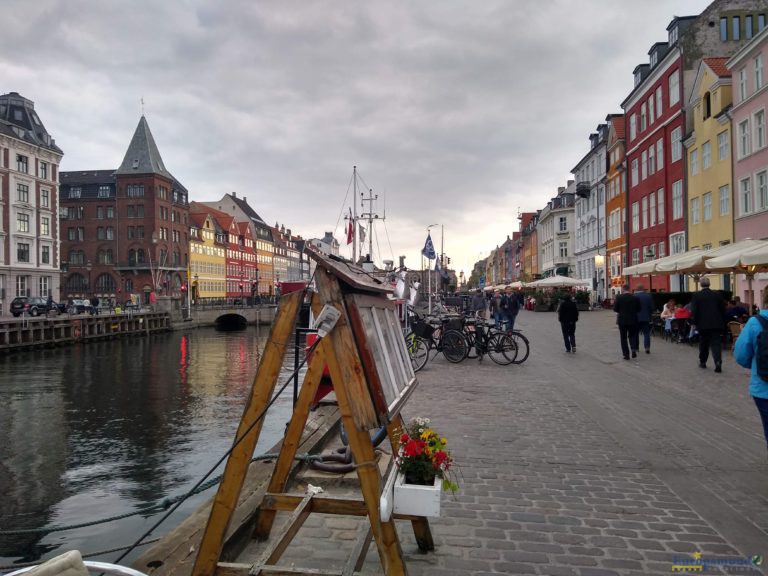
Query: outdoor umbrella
point(753, 258)
point(558, 282)
point(648, 267)
point(694, 261)
point(517, 284)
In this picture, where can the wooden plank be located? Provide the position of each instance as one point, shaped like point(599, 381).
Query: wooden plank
point(291, 441)
point(350, 274)
point(287, 532)
point(230, 569)
point(357, 559)
point(237, 463)
point(423, 534)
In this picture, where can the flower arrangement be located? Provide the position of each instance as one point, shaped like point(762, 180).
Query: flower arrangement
point(423, 455)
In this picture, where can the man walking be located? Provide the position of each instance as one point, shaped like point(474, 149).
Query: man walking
point(644, 316)
point(568, 315)
point(708, 315)
point(627, 307)
point(478, 303)
point(510, 306)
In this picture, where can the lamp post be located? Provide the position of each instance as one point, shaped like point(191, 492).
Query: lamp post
point(196, 288)
point(89, 267)
point(429, 273)
point(242, 277)
point(599, 267)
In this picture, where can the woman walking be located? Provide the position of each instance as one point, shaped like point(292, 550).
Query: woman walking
point(568, 315)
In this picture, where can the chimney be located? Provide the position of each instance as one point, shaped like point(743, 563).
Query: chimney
point(245, 199)
point(234, 194)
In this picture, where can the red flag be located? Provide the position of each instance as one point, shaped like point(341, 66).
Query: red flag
point(350, 228)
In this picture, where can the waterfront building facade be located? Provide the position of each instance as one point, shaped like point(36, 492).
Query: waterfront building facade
point(708, 145)
point(125, 231)
point(589, 214)
point(29, 203)
point(615, 206)
point(554, 233)
point(207, 266)
point(750, 151)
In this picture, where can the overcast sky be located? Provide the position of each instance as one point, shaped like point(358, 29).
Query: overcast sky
point(458, 112)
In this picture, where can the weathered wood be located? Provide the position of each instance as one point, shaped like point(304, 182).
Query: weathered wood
point(273, 552)
point(358, 416)
point(229, 569)
point(423, 534)
point(357, 558)
point(324, 505)
point(237, 463)
point(292, 438)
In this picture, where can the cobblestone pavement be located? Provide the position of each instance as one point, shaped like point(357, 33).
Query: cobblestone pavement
point(582, 464)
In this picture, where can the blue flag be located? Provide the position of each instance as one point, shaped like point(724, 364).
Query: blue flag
point(429, 249)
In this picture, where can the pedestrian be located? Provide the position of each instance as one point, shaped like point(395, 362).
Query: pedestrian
point(708, 315)
point(644, 316)
point(510, 306)
point(495, 309)
point(749, 354)
point(627, 307)
point(478, 304)
point(94, 305)
point(568, 315)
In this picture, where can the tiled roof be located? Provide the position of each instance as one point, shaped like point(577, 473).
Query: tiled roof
point(197, 218)
point(718, 66)
point(87, 177)
point(142, 156)
point(18, 119)
point(618, 126)
point(222, 218)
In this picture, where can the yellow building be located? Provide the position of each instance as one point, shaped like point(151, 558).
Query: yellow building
point(207, 257)
point(710, 198)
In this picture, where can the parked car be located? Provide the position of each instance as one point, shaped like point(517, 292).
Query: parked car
point(76, 306)
point(32, 305)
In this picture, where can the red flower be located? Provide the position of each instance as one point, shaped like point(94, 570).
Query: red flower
point(404, 438)
point(413, 448)
point(439, 458)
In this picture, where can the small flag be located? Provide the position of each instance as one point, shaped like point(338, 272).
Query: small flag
point(350, 228)
point(429, 250)
point(361, 230)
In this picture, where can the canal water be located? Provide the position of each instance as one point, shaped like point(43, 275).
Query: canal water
point(101, 429)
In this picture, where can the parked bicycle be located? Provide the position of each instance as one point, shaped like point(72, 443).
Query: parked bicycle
point(484, 339)
point(441, 338)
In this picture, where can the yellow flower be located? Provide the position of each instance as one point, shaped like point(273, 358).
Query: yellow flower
point(444, 441)
point(426, 434)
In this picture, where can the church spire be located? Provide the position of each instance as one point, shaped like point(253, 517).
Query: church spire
point(142, 156)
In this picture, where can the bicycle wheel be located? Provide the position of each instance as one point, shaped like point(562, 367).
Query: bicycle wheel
point(454, 346)
point(418, 351)
point(502, 349)
point(522, 345)
point(470, 336)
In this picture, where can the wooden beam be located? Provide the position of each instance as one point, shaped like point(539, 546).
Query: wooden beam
point(238, 461)
point(230, 569)
point(357, 559)
point(273, 552)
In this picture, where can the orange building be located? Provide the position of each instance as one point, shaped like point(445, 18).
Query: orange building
point(616, 201)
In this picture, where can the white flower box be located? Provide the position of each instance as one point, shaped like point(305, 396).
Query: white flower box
point(417, 500)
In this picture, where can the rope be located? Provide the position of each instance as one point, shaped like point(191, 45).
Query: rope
point(87, 555)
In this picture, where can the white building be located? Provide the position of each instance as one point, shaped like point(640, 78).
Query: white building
point(554, 234)
point(326, 245)
point(589, 210)
point(29, 202)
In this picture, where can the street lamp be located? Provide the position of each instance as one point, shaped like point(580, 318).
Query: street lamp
point(196, 289)
point(89, 267)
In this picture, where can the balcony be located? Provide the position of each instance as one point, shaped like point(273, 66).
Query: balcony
point(583, 189)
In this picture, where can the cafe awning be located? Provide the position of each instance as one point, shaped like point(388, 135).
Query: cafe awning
point(695, 261)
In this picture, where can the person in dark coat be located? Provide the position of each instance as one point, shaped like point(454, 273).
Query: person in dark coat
point(627, 307)
point(644, 317)
point(708, 315)
point(568, 315)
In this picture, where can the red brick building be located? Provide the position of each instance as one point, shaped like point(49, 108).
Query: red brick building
point(125, 231)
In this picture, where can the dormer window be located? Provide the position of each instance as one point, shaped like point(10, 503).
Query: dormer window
point(654, 58)
point(707, 105)
point(638, 78)
point(135, 164)
point(673, 36)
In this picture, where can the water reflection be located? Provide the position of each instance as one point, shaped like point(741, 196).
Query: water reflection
point(92, 431)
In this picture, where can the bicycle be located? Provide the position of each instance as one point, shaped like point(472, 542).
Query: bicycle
point(522, 345)
point(443, 338)
point(484, 339)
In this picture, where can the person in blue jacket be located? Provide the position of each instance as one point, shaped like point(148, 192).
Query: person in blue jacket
point(744, 353)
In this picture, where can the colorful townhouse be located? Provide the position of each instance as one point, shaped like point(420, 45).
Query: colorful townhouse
point(710, 212)
point(29, 203)
point(750, 149)
point(615, 205)
point(207, 256)
point(554, 231)
point(589, 213)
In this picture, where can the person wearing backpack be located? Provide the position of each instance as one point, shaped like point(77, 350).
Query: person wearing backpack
point(751, 351)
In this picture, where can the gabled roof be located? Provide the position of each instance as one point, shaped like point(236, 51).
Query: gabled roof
point(142, 156)
point(717, 65)
point(244, 229)
point(198, 219)
point(617, 123)
point(223, 219)
point(245, 207)
point(18, 119)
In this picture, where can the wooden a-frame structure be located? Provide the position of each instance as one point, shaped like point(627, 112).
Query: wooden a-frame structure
point(365, 360)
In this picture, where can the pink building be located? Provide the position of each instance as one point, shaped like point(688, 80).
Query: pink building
point(750, 149)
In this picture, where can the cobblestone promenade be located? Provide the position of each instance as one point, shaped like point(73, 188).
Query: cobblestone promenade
point(583, 464)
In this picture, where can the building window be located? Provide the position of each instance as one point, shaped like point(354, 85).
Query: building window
point(745, 192)
point(660, 154)
point(100, 233)
point(45, 198)
point(135, 190)
point(22, 222)
point(744, 138)
point(643, 117)
point(632, 127)
point(706, 155)
point(563, 224)
point(45, 226)
point(651, 159)
point(742, 84)
point(658, 102)
point(45, 256)
point(22, 163)
point(635, 217)
point(722, 145)
point(634, 172)
point(760, 22)
point(644, 165)
point(736, 28)
point(748, 26)
point(652, 209)
point(22, 252)
point(677, 147)
point(635, 256)
point(761, 180)
point(759, 123)
point(22, 193)
point(694, 162)
point(75, 192)
point(21, 285)
point(677, 200)
point(725, 200)
point(677, 243)
point(644, 211)
point(706, 105)
point(695, 211)
point(103, 191)
point(707, 205)
point(131, 232)
point(110, 212)
point(563, 249)
point(100, 212)
point(674, 88)
point(110, 233)
point(662, 249)
point(723, 29)
point(43, 170)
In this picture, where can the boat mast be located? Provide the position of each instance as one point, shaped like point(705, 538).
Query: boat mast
point(370, 216)
point(354, 216)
